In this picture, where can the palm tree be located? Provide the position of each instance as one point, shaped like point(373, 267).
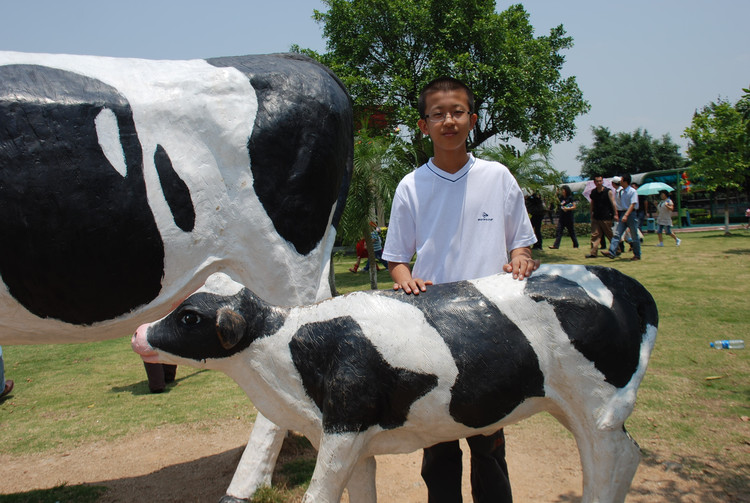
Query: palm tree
point(531, 168)
point(379, 164)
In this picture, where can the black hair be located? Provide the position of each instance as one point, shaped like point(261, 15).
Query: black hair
point(626, 178)
point(443, 84)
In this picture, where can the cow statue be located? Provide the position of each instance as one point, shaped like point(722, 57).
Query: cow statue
point(385, 372)
point(126, 183)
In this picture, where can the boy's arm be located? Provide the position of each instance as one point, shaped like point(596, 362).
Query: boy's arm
point(402, 280)
point(521, 263)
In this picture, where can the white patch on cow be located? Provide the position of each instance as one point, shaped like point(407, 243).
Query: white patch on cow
point(579, 274)
point(221, 284)
point(108, 135)
point(622, 402)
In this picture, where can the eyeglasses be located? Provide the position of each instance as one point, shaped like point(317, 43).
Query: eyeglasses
point(457, 115)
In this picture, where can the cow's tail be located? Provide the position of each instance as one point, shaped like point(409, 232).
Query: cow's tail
point(622, 402)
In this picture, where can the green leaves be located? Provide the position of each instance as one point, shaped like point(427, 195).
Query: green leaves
point(385, 51)
point(636, 152)
point(531, 168)
point(719, 147)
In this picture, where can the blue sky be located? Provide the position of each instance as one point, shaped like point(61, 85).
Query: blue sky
point(641, 64)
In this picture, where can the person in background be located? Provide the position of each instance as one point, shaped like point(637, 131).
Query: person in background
point(361, 250)
point(642, 207)
point(664, 218)
point(5, 386)
point(565, 215)
point(536, 208)
point(603, 210)
point(465, 218)
point(377, 248)
point(626, 201)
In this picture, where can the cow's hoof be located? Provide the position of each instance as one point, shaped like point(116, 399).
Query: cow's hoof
point(231, 499)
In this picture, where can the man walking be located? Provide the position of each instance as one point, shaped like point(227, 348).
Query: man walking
point(627, 203)
point(603, 209)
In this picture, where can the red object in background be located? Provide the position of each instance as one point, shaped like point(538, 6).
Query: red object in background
point(686, 181)
point(361, 249)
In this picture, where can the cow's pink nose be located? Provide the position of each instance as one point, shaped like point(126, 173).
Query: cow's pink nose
point(140, 345)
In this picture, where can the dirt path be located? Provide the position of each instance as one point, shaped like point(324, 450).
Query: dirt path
point(190, 463)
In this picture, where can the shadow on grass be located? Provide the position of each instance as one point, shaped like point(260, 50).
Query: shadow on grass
point(141, 388)
point(731, 235)
point(718, 481)
point(203, 479)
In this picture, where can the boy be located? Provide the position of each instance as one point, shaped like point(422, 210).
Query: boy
point(463, 217)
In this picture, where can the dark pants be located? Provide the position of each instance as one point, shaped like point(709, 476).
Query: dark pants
point(536, 223)
point(442, 467)
point(379, 258)
point(565, 221)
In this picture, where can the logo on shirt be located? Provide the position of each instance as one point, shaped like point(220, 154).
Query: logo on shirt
point(485, 218)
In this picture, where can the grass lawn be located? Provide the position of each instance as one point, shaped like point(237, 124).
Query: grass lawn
point(693, 403)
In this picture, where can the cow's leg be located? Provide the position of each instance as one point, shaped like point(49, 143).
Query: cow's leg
point(338, 454)
point(609, 460)
point(361, 486)
point(257, 462)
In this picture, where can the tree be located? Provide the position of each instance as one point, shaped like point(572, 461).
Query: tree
point(637, 152)
point(385, 51)
point(379, 164)
point(719, 148)
point(531, 168)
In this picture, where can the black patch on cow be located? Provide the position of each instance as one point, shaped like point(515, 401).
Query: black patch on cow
point(175, 191)
point(348, 379)
point(610, 338)
point(190, 331)
point(497, 366)
point(302, 142)
point(79, 241)
point(629, 293)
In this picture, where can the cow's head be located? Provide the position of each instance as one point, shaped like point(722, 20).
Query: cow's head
point(219, 320)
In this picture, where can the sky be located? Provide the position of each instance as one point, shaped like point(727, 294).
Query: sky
point(645, 64)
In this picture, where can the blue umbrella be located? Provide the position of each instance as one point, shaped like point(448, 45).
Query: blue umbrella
point(651, 188)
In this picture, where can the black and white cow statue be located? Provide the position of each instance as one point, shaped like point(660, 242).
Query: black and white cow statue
point(384, 372)
point(126, 183)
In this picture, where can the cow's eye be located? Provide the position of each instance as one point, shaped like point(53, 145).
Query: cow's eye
point(190, 318)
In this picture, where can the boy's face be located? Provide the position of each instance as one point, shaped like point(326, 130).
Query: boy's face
point(451, 133)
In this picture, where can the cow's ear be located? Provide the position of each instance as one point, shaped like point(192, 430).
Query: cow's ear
point(230, 327)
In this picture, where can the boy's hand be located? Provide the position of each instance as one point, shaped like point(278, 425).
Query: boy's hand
point(414, 285)
point(402, 280)
point(521, 264)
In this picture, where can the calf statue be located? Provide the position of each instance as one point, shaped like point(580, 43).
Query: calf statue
point(385, 372)
point(126, 183)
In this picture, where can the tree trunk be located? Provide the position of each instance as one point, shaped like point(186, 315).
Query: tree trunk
point(726, 216)
point(371, 259)
point(332, 278)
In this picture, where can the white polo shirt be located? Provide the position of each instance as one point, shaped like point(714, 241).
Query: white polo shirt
point(461, 225)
